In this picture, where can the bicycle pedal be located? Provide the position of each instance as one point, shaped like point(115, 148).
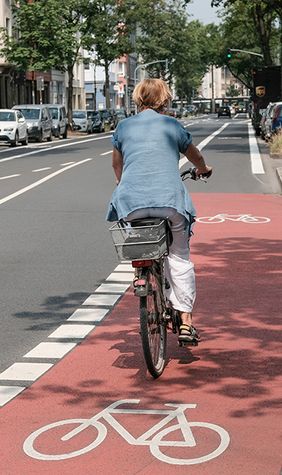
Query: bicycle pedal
point(188, 343)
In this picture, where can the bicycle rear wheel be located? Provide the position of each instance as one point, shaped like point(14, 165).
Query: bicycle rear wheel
point(153, 330)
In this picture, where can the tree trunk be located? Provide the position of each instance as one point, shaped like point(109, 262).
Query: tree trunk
point(107, 85)
point(70, 92)
point(263, 24)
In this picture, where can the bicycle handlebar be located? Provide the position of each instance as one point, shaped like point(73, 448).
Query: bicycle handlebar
point(192, 174)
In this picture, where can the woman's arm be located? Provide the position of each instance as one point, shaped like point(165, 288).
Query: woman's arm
point(117, 163)
point(194, 156)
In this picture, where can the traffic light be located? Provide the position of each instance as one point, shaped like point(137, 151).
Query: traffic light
point(229, 53)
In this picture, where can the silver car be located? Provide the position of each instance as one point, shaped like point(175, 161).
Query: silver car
point(38, 121)
point(82, 121)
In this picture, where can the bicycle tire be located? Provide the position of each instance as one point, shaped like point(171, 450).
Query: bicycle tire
point(153, 330)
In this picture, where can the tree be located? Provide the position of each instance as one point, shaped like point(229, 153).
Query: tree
point(109, 25)
point(263, 15)
point(48, 34)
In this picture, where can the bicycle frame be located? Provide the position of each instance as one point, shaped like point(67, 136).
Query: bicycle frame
point(143, 439)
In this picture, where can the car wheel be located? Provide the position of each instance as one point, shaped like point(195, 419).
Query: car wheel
point(58, 135)
point(65, 134)
point(15, 142)
point(40, 137)
point(50, 138)
point(25, 141)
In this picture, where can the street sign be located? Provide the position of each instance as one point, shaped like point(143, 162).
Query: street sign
point(116, 87)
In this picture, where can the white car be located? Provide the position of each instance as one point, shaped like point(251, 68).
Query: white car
point(13, 127)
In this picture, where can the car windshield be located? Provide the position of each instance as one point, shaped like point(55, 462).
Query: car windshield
point(32, 114)
point(7, 116)
point(106, 114)
point(54, 112)
point(79, 115)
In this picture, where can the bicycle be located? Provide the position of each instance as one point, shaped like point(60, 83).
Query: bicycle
point(145, 242)
point(155, 437)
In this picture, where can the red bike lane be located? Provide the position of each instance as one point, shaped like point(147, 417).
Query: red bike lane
point(232, 379)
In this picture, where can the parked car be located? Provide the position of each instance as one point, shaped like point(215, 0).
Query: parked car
point(97, 120)
point(256, 120)
point(262, 124)
point(38, 119)
point(268, 120)
point(82, 121)
point(13, 127)
point(108, 118)
point(277, 118)
point(59, 120)
point(120, 114)
point(224, 110)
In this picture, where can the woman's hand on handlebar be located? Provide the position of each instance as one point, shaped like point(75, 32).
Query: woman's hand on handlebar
point(204, 172)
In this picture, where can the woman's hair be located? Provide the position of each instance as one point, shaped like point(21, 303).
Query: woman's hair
point(152, 93)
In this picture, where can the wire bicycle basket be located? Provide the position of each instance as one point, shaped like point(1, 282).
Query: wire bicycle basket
point(140, 242)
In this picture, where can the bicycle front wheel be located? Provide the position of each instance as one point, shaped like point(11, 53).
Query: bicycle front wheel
point(153, 330)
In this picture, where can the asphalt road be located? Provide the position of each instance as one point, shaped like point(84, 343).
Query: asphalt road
point(55, 246)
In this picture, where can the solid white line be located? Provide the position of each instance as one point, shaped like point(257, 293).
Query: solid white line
point(99, 299)
point(41, 169)
point(204, 142)
point(107, 153)
point(39, 182)
point(25, 371)
point(54, 349)
point(72, 331)
point(88, 315)
point(47, 149)
point(9, 392)
point(9, 176)
point(256, 162)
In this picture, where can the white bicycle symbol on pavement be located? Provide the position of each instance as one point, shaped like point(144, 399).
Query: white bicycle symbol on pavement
point(154, 437)
point(243, 218)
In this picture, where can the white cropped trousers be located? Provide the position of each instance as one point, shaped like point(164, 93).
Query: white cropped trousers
point(179, 269)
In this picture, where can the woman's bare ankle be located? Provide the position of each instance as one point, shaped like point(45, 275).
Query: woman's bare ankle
point(186, 318)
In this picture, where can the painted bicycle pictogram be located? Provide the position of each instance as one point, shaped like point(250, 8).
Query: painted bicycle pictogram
point(155, 438)
point(243, 218)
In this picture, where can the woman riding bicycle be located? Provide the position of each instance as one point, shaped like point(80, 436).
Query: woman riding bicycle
point(146, 156)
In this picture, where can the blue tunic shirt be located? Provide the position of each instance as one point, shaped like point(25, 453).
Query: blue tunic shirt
point(150, 144)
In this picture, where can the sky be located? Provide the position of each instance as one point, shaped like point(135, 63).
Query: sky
point(202, 10)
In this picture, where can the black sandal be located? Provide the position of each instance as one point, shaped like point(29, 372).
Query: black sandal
point(188, 334)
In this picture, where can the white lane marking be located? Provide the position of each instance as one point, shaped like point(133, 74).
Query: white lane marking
point(107, 300)
point(256, 162)
point(9, 392)
point(65, 164)
point(112, 288)
point(191, 123)
point(39, 182)
point(25, 371)
point(9, 176)
point(88, 315)
point(120, 277)
point(124, 268)
point(107, 153)
point(204, 142)
point(72, 331)
point(52, 349)
point(41, 169)
point(53, 148)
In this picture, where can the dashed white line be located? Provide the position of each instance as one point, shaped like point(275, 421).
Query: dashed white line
point(52, 349)
point(9, 176)
point(9, 392)
point(41, 169)
point(88, 315)
point(39, 182)
point(65, 164)
point(25, 371)
point(99, 299)
point(120, 277)
point(107, 153)
point(72, 331)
